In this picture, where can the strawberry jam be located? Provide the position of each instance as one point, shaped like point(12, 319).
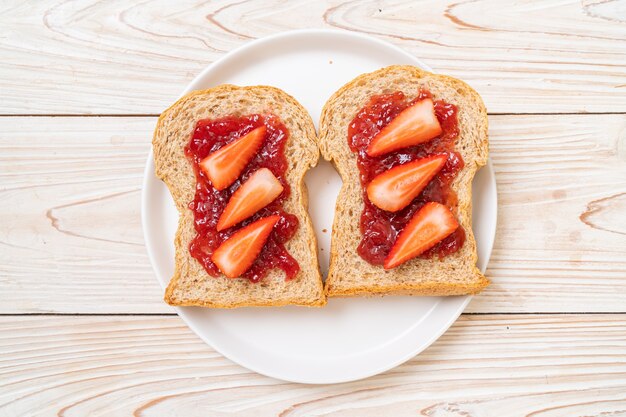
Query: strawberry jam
point(209, 203)
point(380, 228)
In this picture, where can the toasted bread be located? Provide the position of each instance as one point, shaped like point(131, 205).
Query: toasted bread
point(191, 285)
point(349, 274)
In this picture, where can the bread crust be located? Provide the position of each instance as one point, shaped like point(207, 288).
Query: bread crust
point(191, 285)
point(349, 274)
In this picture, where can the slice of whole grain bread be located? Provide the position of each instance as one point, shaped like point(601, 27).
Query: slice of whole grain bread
point(351, 275)
point(191, 285)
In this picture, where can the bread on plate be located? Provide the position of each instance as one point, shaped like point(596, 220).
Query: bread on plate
point(390, 234)
point(258, 203)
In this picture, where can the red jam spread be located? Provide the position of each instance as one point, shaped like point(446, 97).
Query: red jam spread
point(209, 203)
point(380, 228)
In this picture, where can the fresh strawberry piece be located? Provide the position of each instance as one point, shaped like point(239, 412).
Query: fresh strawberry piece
point(225, 165)
point(414, 125)
point(429, 226)
point(257, 192)
point(237, 254)
point(393, 190)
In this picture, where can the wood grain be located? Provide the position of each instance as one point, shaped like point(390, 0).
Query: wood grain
point(95, 57)
point(71, 189)
point(539, 366)
point(72, 242)
point(561, 236)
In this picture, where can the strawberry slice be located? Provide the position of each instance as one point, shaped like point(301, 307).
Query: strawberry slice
point(429, 226)
point(257, 192)
point(414, 125)
point(393, 190)
point(224, 166)
point(237, 254)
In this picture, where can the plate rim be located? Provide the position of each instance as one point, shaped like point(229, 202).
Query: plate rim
point(298, 32)
point(148, 173)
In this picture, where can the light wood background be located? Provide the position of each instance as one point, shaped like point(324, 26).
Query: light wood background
point(83, 330)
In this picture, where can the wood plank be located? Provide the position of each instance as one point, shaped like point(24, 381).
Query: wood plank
point(71, 188)
point(561, 236)
point(154, 366)
point(86, 57)
point(72, 242)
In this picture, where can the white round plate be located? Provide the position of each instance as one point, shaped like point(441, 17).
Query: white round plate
point(348, 339)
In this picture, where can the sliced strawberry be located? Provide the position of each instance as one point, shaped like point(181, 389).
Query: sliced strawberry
point(224, 166)
point(429, 226)
point(414, 125)
point(236, 254)
point(393, 190)
point(257, 192)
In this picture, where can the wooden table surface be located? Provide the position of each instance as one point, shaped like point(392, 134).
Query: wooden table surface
point(83, 329)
